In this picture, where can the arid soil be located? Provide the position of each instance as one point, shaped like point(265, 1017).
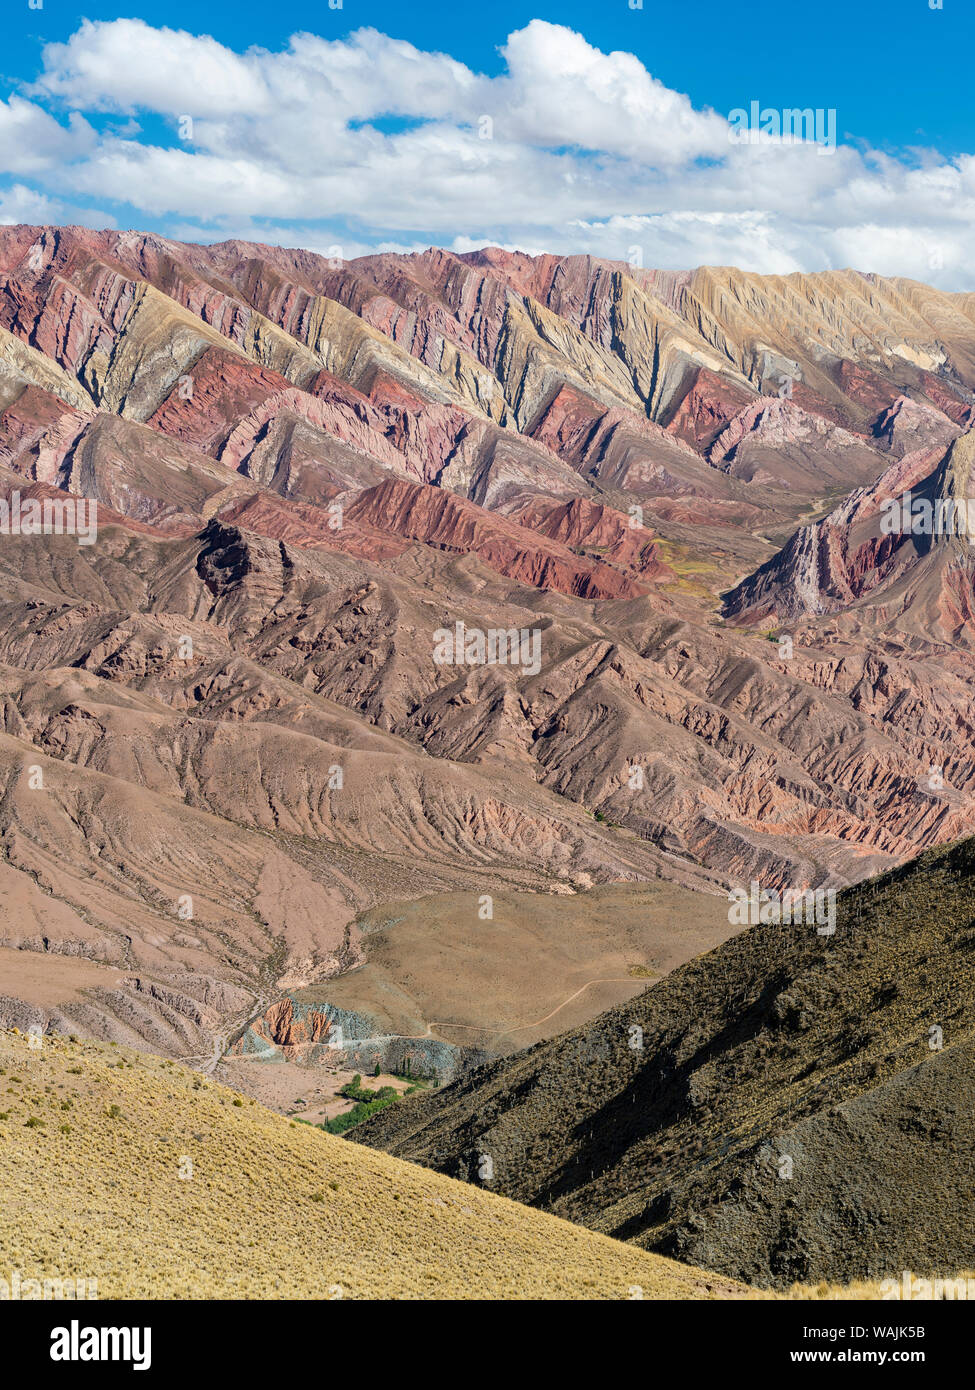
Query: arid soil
point(539, 965)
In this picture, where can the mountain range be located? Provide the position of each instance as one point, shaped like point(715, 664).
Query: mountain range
point(226, 737)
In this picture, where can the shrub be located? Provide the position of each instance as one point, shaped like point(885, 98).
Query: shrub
point(361, 1112)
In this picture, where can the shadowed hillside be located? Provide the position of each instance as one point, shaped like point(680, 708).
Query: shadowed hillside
point(789, 1107)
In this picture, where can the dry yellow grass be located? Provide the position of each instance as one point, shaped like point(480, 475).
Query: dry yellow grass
point(926, 1289)
point(92, 1189)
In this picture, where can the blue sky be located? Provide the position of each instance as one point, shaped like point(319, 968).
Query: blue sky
point(899, 72)
point(607, 127)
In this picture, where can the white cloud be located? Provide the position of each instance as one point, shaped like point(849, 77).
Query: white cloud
point(561, 91)
point(21, 204)
point(161, 181)
point(370, 141)
point(31, 140)
point(371, 74)
point(126, 65)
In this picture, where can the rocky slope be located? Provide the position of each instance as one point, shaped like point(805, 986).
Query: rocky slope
point(792, 1106)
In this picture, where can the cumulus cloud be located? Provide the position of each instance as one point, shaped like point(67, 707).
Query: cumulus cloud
point(31, 140)
point(126, 65)
point(560, 91)
point(369, 141)
point(22, 204)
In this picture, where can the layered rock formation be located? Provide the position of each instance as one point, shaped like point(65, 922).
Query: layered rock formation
point(319, 1034)
point(307, 473)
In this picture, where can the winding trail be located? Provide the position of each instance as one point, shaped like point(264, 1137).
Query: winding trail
point(537, 1022)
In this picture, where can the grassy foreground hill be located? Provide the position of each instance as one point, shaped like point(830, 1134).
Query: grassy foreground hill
point(143, 1175)
point(791, 1107)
